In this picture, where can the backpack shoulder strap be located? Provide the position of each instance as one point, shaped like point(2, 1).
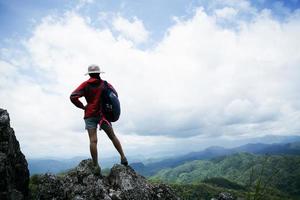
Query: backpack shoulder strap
point(105, 84)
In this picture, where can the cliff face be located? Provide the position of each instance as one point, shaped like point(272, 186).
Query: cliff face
point(80, 183)
point(14, 174)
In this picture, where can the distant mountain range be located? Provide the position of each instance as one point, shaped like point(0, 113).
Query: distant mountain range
point(148, 167)
point(56, 165)
point(39, 166)
point(215, 151)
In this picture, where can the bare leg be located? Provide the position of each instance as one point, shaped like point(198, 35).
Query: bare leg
point(110, 133)
point(93, 144)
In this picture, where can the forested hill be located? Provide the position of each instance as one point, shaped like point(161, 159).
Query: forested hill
point(291, 148)
point(278, 171)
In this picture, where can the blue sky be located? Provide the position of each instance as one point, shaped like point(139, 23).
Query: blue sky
point(19, 17)
point(190, 74)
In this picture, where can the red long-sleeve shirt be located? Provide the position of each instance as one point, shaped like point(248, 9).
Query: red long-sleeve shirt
point(91, 90)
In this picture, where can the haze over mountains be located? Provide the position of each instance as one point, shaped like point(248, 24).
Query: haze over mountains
point(148, 167)
point(212, 152)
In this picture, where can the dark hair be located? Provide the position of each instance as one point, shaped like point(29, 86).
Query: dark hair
point(95, 75)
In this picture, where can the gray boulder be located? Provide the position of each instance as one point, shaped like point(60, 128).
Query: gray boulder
point(225, 196)
point(123, 183)
point(14, 174)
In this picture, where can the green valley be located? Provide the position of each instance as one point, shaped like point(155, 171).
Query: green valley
point(241, 173)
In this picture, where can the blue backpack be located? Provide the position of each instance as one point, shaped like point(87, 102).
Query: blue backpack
point(110, 103)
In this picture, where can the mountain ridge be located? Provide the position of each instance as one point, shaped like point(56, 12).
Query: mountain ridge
point(215, 151)
point(279, 171)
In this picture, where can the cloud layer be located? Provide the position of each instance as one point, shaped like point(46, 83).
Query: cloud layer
point(215, 74)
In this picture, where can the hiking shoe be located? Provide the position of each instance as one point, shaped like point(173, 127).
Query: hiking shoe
point(124, 161)
point(96, 170)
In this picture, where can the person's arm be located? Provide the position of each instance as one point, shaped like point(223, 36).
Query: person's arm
point(76, 94)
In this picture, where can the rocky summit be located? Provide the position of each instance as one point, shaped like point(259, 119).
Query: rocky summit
point(78, 183)
point(14, 174)
point(122, 183)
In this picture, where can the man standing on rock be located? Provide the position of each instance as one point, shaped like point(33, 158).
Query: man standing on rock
point(92, 90)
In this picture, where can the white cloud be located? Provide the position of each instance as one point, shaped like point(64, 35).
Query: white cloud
point(226, 12)
point(133, 30)
point(201, 80)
